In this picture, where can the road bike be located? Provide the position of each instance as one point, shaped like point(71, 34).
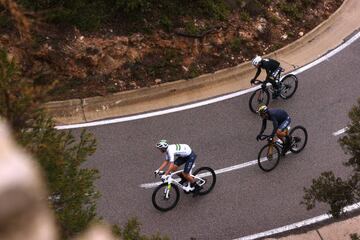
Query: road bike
point(166, 196)
point(287, 85)
point(269, 155)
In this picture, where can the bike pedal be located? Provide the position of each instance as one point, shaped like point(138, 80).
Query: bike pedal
point(188, 188)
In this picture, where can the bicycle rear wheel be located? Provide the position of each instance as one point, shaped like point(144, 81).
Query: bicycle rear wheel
point(206, 178)
point(289, 86)
point(258, 98)
point(299, 139)
point(268, 159)
point(165, 197)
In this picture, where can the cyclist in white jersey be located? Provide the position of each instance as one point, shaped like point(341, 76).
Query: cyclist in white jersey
point(183, 154)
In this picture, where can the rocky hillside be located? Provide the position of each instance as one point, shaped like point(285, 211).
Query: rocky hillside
point(113, 58)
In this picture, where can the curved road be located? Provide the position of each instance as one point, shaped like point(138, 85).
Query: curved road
point(245, 201)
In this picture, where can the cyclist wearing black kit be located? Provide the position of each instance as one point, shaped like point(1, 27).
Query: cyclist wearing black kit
point(272, 68)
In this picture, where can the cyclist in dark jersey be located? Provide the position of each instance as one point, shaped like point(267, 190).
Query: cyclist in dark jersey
point(272, 68)
point(280, 120)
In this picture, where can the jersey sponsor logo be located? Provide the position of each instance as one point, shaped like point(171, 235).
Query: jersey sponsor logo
point(178, 147)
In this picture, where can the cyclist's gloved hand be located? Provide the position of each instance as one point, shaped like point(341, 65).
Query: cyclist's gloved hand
point(156, 171)
point(164, 177)
point(258, 137)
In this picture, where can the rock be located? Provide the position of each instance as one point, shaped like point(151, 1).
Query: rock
point(185, 68)
point(187, 61)
point(135, 38)
point(284, 36)
point(132, 54)
point(260, 28)
point(122, 84)
point(133, 84)
point(218, 39)
point(301, 34)
point(164, 43)
point(263, 20)
point(157, 81)
point(122, 39)
point(107, 64)
point(119, 50)
point(261, 25)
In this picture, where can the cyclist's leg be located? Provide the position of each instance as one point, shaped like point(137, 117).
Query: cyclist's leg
point(282, 132)
point(188, 165)
point(274, 85)
point(178, 162)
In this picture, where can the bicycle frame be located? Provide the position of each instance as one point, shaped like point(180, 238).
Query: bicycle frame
point(170, 180)
point(277, 141)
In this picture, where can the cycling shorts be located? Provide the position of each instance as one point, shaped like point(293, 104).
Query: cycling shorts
point(285, 124)
point(189, 161)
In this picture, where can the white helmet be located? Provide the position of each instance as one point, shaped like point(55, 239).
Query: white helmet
point(256, 61)
point(162, 144)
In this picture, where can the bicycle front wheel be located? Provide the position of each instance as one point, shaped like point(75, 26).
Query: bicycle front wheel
point(299, 139)
point(289, 86)
point(165, 197)
point(205, 177)
point(258, 98)
point(269, 157)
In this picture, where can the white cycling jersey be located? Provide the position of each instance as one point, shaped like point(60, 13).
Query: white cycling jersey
point(177, 150)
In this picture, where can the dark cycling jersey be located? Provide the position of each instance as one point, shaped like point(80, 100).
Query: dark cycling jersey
point(277, 116)
point(269, 65)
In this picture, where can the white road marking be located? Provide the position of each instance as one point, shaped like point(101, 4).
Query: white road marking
point(210, 101)
point(293, 226)
point(341, 131)
point(219, 171)
point(158, 113)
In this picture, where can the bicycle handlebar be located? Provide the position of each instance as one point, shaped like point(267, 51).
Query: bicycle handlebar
point(263, 137)
point(160, 173)
point(257, 82)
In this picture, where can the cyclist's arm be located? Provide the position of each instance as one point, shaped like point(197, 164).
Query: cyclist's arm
point(263, 126)
point(163, 165)
point(171, 168)
point(257, 73)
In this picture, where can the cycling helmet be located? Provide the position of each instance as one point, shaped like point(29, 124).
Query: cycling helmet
point(162, 144)
point(256, 61)
point(262, 109)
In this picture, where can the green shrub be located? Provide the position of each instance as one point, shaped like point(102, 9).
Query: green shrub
point(129, 6)
point(213, 8)
point(4, 21)
point(245, 16)
point(253, 7)
point(236, 44)
point(166, 23)
point(292, 9)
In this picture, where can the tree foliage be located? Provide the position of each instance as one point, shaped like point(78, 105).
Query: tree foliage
point(335, 191)
point(131, 231)
point(72, 194)
point(89, 15)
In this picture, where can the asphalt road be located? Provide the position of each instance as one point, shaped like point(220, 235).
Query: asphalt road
point(244, 201)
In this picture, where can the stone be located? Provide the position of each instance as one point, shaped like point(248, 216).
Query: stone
point(132, 54)
point(284, 36)
point(185, 68)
